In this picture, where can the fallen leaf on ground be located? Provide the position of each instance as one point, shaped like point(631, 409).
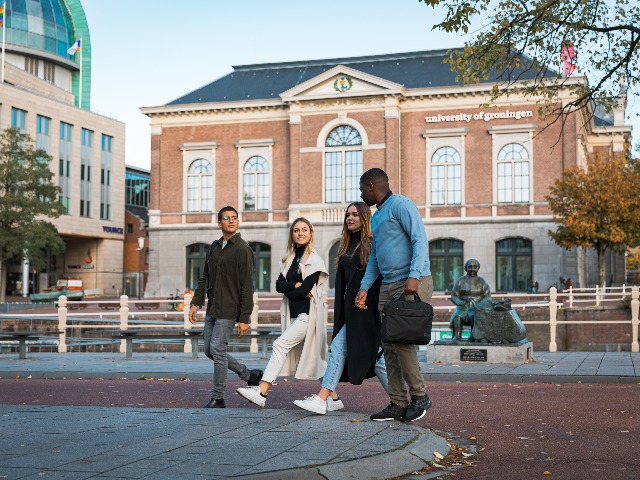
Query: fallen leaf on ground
point(438, 455)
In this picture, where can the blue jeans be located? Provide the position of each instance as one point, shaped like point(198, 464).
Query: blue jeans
point(216, 338)
point(337, 359)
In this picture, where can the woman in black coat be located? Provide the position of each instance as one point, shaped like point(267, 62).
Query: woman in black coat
point(355, 330)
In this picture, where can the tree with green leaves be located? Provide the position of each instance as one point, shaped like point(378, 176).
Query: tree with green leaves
point(28, 198)
point(597, 208)
point(523, 42)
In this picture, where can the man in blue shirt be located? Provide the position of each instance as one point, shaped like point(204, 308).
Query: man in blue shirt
point(400, 253)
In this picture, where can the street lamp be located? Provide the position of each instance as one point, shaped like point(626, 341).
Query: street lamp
point(140, 249)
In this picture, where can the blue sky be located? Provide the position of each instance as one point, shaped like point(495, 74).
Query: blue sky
point(149, 52)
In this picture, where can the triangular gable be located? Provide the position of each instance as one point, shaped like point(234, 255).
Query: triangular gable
point(341, 81)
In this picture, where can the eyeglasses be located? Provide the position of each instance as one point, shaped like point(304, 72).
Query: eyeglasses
point(226, 218)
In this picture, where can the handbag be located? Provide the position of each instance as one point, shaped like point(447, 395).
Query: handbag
point(407, 321)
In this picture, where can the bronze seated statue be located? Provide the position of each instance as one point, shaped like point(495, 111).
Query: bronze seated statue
point(490, 321)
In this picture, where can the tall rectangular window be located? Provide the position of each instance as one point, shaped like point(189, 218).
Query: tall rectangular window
point(105, 177)
point(342, 165)
point(513, 174)
point(18, 118)
point(446, 177)
point(64, 166)
point(43, 140)
point(86, 150)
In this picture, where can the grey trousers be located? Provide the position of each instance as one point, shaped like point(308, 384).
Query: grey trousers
point(216, 338)
point(402, 360)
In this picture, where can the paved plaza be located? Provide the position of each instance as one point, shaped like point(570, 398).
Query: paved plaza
point(611, 367)
point(62, 441)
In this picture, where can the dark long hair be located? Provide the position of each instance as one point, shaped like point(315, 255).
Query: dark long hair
point(366, 237)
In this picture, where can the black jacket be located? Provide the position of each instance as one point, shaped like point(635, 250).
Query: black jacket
point(363, 331)
point(229, 272)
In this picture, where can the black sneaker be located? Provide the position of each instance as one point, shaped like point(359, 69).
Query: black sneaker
point(392, 412)
point(215, 403)
point(417, 408)
point(254, 378)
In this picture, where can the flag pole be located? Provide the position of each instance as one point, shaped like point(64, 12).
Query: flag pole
point(4, 29)
point(80, 95)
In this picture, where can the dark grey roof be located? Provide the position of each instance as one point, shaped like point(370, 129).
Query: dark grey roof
point(140, 212)
point(269, 80)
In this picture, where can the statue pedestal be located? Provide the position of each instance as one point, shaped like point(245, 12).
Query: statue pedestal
point(479, 352)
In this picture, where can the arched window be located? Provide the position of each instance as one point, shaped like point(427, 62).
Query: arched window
point(257, 184)
point(342, 165)
point(446, 177)
point(200, 186)
point(262, 266)
point(447, 262)
point(513, 174)
point(514, 264)
point(196, 255)
point(333, 254)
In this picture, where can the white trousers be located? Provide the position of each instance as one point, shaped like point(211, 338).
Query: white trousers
point(292, 336)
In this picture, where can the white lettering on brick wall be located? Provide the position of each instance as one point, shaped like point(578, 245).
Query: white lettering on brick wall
point(486, 116)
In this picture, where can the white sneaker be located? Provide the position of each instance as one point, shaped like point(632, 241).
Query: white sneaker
point(313, 403)
point(252, 394)
point(333, 405)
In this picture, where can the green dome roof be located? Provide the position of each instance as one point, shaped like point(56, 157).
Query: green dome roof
point(44, 25)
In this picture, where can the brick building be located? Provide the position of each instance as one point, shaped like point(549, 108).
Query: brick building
point(291, 139)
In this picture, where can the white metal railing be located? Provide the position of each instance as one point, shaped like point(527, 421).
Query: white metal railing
point(123, 318)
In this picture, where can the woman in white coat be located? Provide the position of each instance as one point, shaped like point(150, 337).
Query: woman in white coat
point(301, 349)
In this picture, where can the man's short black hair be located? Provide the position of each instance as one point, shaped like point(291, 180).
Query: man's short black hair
point(374, 175)
point(226, 209)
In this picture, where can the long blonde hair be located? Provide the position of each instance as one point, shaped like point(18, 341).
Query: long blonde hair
point(291, 245)
point(366, 237)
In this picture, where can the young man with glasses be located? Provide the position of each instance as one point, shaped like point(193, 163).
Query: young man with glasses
point(227, 279)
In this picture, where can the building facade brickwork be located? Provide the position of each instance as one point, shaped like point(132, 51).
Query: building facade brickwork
point(478, 175)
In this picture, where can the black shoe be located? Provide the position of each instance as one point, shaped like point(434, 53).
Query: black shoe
point(254, 378)
point(417, 408)
point(215, 403)
point(392, 412)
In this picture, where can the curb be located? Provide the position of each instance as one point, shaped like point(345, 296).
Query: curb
point(405, 460)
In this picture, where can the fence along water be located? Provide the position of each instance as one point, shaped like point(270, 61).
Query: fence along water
point(123, 318)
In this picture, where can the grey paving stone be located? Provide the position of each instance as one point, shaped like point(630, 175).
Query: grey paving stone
point(55, 474)
point(379, 466)
point(181, 470)
point(129, 472)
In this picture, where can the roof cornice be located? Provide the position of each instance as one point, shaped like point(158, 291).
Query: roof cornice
point(201, 108)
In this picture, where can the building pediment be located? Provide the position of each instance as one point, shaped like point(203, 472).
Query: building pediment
point(340, 82)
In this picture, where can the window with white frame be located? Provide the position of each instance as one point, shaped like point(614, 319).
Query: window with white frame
point(256, 180)
point(200, 186)
point(446, 177)
point(513, 174)
point(342, 165)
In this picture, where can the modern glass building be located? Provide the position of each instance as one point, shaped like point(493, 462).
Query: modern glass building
point(137, 187)
point(39, 34)
point(47, 93)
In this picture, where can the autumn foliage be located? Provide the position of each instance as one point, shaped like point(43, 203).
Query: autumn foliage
point(597, 207)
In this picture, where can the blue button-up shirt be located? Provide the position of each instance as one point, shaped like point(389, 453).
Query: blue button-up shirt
point(400, 248)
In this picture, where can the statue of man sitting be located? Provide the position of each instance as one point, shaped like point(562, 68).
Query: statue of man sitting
point(467, 292)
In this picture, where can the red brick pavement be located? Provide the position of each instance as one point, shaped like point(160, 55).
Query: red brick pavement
point(571, 431)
